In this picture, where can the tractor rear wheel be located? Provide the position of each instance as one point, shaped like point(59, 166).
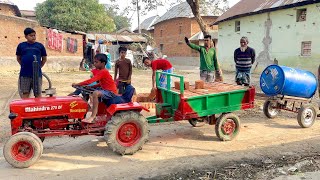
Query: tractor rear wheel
point(127, 132)
point(23, 150)
point(227, 126)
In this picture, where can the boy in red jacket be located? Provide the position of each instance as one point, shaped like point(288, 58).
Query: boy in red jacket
point(159, 64)
point(107, 88)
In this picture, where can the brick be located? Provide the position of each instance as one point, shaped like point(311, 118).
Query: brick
point(177, 85)
point(148, 105)
point(199, 84)
point(186, 85)
point(153, 94)
point(143, 97)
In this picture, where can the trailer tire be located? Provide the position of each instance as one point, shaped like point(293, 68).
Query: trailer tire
point(127, 132)
point(306, 116)
point(269, 110)
point(22, 150)
point(227, 127)
point(196, 123)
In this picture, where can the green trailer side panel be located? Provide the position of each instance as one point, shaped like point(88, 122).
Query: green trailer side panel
point(217, 103)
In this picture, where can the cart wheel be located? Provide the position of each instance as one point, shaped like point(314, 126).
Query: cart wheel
point(127, 132)
point(22, 150)
point(306, 116)
point(270, 109)
point(227, 127)
point(196, 122)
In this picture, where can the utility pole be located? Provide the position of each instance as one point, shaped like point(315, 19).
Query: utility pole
point(138, 13)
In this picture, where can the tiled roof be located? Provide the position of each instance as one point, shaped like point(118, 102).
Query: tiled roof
point(250, 7)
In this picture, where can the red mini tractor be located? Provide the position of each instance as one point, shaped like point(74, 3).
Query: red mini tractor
point(34, 119)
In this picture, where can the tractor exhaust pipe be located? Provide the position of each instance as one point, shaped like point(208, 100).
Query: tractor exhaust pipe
point(35, 75)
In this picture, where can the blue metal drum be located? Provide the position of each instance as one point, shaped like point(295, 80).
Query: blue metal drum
point(282, 80)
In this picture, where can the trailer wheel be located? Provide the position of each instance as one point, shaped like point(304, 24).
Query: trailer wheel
point(306, 116)
point(227, 126)
point(127, 132)
point(22, 150)
point(270, 109)
point(196, 122)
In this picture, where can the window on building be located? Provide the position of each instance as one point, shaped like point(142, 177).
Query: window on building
point(180, 29)
point(237, 26)
point(160, 33)
point(161, 47)
point(306, 48)
point(301, 15)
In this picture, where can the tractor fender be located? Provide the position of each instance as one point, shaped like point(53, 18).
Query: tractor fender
point(132, 106)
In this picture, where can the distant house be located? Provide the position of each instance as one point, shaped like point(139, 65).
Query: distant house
point(147, 26)
point(285, 30)
point(28, 14)
point(179, 22)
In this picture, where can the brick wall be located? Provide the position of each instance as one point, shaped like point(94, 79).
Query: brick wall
point(11, 34)
point(169, 35)
point(7, 10)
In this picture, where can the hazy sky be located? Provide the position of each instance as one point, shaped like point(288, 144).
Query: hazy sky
point(29, 5)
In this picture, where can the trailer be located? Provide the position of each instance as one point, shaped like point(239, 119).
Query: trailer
point(214, 104)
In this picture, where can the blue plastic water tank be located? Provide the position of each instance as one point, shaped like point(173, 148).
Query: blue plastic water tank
point(282, 80)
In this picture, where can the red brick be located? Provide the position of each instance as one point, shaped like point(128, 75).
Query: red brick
point(153, 94)
point(177, 85)
point(199, 84)
point(186, 85)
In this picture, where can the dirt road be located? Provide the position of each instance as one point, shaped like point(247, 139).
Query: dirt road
point(173, 147)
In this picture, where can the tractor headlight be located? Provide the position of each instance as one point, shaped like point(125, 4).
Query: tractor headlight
point(12, 116)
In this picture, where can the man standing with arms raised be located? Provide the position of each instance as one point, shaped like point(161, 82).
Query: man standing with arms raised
point(208, 60)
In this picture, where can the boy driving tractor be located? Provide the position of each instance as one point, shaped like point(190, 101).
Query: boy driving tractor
point(106, 88)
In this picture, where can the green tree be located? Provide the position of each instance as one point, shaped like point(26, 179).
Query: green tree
point(80, 15)
point(119, 19)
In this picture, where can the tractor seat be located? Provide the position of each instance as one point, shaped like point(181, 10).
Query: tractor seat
point(124, 98)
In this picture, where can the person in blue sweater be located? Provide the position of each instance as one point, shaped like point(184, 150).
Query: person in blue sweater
point(244, 57)
point(25, 56)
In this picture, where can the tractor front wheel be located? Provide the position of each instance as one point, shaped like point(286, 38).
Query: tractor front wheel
point(127, 132)
point(227, 127)
point(23, 150)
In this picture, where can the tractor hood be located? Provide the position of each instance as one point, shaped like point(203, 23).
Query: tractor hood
point(71, 107)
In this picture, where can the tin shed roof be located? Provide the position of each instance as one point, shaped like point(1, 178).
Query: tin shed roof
point(183, 10)
point(147, 24)
point(251, 7)
point(118, 37)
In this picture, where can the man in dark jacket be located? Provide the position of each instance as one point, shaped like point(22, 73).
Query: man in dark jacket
point(244, 57)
